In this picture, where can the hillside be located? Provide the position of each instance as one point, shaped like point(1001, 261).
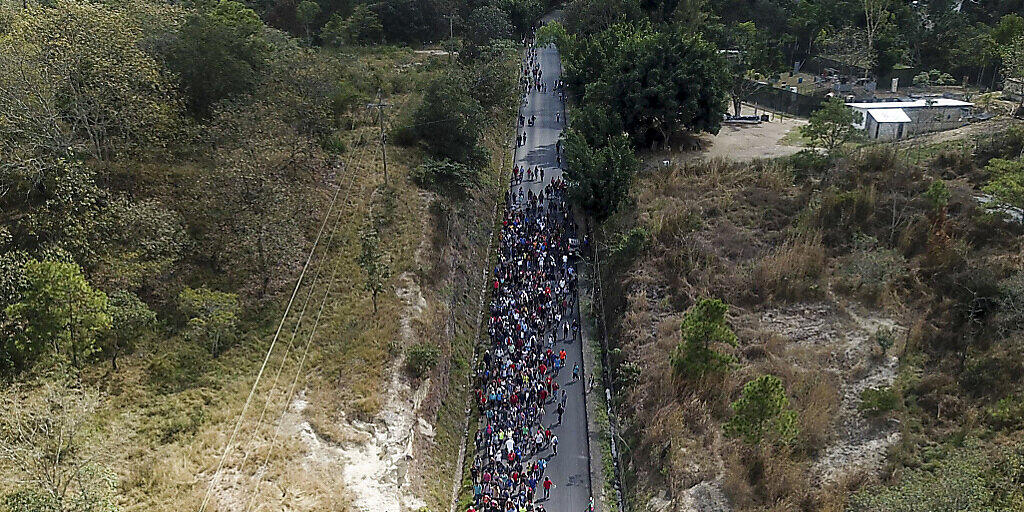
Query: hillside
point(192, 198)
point(887, 310)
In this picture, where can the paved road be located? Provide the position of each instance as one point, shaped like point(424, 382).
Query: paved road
point(570, 469)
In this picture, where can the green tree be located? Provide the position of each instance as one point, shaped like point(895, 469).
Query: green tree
point(831, 126)
point(306, 13)
point(213, 317)
point(448, 121)
point(704, 326)
point(74, 78)
point(597, 123)
point(487, 23)
point(361, 27)
point(59, 312)
point(523, 14)
point(937, 196)
point(1013, 60)
point(659, 82)
point(218, 53)
point(757, 59)
point(130, 318)
point(763, 411)
point(599, 178)
point(371, 260)
point(1010, 27)
point(554, 33)
point(1006, 181)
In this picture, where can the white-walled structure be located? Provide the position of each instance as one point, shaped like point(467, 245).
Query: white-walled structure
point(892, 120)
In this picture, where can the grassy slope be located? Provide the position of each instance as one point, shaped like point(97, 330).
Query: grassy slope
point(759, 237)
point(163, 441)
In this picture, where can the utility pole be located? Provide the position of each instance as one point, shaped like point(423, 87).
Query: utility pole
point(380, 105)
point(451, 37)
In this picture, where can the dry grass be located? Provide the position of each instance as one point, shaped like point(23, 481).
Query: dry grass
point(793, 272)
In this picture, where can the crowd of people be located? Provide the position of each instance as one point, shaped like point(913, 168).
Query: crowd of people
point(530, 327)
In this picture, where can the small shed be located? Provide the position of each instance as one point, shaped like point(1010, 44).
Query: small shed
point(886, 123)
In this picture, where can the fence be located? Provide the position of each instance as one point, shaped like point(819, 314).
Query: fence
point(782, 100)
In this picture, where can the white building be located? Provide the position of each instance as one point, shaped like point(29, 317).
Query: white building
point(893, 120)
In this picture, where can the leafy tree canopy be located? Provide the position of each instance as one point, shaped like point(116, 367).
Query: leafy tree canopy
point(599, 178)
point(59, 313)
point(831, 126)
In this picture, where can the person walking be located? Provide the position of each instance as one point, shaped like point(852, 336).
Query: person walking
point(561, 410)
point(554, 445)
point(548, 484)
point(575, 372)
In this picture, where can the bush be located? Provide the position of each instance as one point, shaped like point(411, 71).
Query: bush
point(878, 401)
point(631, 244)
point(448, 122)
point(445, 176)
point(1011, 302)
point(809, 162)
point(178, 416)
point(763, 411)
point(421, 358)
point(869, 270)
point(1007, 413)
point(885, 338)
point(839, 214)
point(966, 479)
point(174, 370)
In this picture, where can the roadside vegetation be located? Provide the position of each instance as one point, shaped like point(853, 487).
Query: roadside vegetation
point(874, 308)
point(166, 171)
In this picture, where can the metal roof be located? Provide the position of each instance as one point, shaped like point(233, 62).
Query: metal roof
point(935, 102)
point(889, 115)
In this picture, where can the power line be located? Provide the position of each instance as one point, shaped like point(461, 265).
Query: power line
point(295, 330)
point(301, 363)
point(259, 375)
point(263, 366)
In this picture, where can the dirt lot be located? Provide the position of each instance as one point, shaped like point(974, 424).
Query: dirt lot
point(746, 141)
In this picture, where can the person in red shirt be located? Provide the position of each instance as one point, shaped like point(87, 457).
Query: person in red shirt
point(548, 484)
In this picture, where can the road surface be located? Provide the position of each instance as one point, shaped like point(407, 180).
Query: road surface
point(570, 469)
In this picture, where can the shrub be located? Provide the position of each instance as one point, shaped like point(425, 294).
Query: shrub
point(763, 411)
point(869, 270)
point(840, 214)
point(1007, 181)
point(965, 479)
point(448, 121)
point(421, 358)
point(809, 162)
point(1011, 302)
point(174, 370)
point(885, 338)
point(631, 244)
point(445, 175)
point(878, 401)
point(1007, 413)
